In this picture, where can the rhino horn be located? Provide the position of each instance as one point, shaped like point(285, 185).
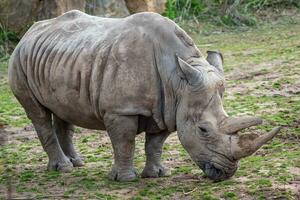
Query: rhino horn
point(245, 145)
point(215, 58)
point(232, 125)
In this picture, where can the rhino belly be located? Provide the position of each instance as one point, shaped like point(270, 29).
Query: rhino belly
point(75, 113)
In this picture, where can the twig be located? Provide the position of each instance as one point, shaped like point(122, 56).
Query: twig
point(186, 193)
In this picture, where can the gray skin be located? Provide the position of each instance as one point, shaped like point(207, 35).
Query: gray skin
point(137, 74)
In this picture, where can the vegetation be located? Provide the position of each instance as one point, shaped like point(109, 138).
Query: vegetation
point(225, 12)
point(8, 41)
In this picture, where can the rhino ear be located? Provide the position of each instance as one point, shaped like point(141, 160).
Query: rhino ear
point(189, 73)
point(215, 58)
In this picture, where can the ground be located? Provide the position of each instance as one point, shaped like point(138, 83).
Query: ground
point(262, 67)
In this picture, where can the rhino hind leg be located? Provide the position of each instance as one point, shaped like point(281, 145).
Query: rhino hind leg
point(42, 122)
point(64, 132)
point(153, 149)
point(41, 119)
point(122, 131)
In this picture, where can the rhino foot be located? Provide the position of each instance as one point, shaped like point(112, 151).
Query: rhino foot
point(64, 166)
point(122, 175)
point(77, 162)
point(154, 171)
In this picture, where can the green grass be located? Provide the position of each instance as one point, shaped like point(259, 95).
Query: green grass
point(271, 53)
point(10, 111)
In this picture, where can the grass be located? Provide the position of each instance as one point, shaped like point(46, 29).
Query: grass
point(262, 68)
point(11, 113)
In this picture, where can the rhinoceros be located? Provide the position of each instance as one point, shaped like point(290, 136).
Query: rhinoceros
point(141, 73)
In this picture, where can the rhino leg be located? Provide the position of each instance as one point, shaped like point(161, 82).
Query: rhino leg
point(41, 119)
point(64, 132)
point(153, 148)
point(122, 131)
point(57, 159)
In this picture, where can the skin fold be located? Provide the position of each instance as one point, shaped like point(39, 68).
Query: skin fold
point(141, 73)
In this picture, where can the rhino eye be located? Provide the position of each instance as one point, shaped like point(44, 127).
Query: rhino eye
point(203, 130)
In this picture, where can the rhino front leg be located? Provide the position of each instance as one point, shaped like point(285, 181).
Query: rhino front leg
point(64, 132)
point(153, 149)
point(122, 131)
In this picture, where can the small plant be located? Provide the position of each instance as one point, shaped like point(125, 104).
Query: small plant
point(229, 195)
point(8, 41)
point(183, 9)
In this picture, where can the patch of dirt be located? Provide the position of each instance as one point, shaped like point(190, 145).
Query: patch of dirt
point(242, 179)
point(16, 135)
point(187, 178)
point(292, 138)
point(294, 170)
point(241, 89)
point(292, 89)
point(255, 71)
point(240, 75)
point(293, 186)
point(183, 195)
point(262, 75)
point(123, 193)
point(3, 137)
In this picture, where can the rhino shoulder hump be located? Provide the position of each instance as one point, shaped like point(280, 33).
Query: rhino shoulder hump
point(148, 18)
point(72, 14)
point(147, 15)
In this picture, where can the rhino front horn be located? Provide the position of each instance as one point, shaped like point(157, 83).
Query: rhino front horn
point(245, 145)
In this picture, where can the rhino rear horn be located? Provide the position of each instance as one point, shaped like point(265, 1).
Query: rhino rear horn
point(234, 124)
point(215, 58)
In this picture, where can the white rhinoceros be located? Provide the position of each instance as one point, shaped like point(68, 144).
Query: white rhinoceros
point(137, 74)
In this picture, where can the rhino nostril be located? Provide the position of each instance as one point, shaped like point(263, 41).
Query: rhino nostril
point(212, 172)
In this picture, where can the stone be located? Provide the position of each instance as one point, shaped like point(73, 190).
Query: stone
point(13, 18)
point(53, 8)
point(107, 8)
point(18, 15)
point(135, 6)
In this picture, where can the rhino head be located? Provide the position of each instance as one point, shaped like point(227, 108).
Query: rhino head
point(208, 134)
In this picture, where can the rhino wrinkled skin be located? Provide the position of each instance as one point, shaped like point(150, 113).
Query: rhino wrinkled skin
point(137, 74)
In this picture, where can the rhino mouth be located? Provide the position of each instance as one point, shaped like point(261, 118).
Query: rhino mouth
point(218, 168)
point(217, 173)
